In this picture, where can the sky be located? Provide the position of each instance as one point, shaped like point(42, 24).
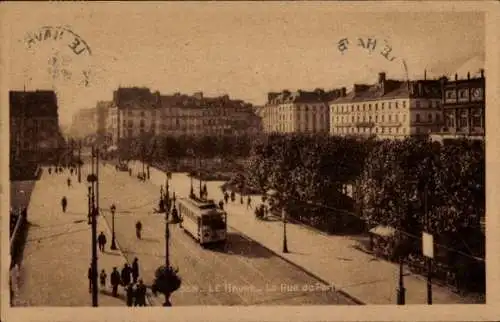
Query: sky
point(241, 49)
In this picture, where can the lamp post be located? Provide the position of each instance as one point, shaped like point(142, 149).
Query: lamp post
point(113, 237)
point(92, 180)
point(285, 242)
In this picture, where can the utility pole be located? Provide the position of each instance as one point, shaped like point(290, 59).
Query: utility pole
point(92, 178)
point(97, 180)
point(79, 161)
point(167, 238)
point(429, 260)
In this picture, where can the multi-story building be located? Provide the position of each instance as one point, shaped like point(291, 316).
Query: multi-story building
point(388, 109)
point(137, 111)
point(300, 111)
point(84, 123)
point(463, 107)
point(34, 125)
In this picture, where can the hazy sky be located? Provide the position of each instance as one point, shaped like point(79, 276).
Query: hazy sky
point(242, 49)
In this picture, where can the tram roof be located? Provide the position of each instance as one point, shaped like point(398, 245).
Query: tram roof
point(201, 204)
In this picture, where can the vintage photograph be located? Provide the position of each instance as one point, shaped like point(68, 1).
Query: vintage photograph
point(228, 154)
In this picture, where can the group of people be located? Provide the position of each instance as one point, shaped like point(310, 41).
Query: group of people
point(128, 278)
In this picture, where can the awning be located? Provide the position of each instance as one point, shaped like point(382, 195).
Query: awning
point(384, 231)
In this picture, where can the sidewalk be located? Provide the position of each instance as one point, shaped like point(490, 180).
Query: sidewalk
point(57, 254)
point(332, 259)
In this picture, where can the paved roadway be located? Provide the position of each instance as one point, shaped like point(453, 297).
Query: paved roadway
point(241, 273)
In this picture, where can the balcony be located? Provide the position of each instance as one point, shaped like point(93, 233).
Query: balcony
point(365, 124)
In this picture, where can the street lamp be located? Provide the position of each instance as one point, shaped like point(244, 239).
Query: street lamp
point(113, 239)
point(285, 243)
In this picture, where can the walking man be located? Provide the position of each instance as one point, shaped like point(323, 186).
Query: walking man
point(140, 294)
point(101, 240)
point(135, 270)
point(64, 203)
point(130, 294)
point(102, 278)
point(126, 271)
point(89, 275)
point(115, 281)
point(249, 202)
point(226, 197)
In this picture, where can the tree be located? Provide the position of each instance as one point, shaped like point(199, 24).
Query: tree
point(166, 282)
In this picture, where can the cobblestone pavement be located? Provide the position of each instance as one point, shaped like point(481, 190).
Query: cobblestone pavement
point(242, 273)
point(58, 250)
point(334, 259)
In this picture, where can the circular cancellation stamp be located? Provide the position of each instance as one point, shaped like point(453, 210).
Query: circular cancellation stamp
point(67, 54)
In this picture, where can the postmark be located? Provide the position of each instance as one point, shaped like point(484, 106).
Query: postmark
point(68, 55)
point(372, 46)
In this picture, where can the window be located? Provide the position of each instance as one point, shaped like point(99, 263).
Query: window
point(376, 118)
point(390, 117)
point(383, 118)
point(417, 104)
point(404, 104)
point(376, 106)
point(142, 113)
point(369, 107)
point(352, 108)
point(382, 106)
point(417, 117)
point(130, 123)
point(397, 118)
point(438, 118)
point(404, 117)
point(357, 107)
point(389, 105)
point(429, 117)
point(396, 104)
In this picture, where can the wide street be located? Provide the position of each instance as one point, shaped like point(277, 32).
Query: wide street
point(241, 273)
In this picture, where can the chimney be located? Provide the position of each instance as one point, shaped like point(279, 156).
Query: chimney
point(343, 91)
point(381, 78)
point(425, 74)
point(456, 76)
point(468, 75)
point(420, 89)
point(482, 72)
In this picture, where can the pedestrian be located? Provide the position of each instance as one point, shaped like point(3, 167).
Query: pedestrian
point(233, 196)
point(226, 197)
point(249, 202)
point(102, 278)
point(101, 240)
point(129, 171)
point(130, 291)
point(89, 275)
point(126, 272)
point(71, 171)
point(69, 182)
point(50, 170)
point(64, 203)
point(138, 229)
point(115, 281)
point(135, 270)
point(140, 294)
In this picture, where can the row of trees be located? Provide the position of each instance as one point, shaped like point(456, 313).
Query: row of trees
point(158, 148)
point(413, 185)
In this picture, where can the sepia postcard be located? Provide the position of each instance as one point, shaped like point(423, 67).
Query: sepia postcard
point(249, 161)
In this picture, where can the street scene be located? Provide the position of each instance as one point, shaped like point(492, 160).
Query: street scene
point(363, 186)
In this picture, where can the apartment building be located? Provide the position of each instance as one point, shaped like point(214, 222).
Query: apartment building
point(463, 107)
point(34, 125)
point(137, 111)
point(388, 109)
point(297, 112)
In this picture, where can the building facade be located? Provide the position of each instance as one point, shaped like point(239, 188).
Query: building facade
point(84, 123)
point(34, 125)
point(463, 107)
point(297, 112)
point(388, 109)
point(137, 111)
